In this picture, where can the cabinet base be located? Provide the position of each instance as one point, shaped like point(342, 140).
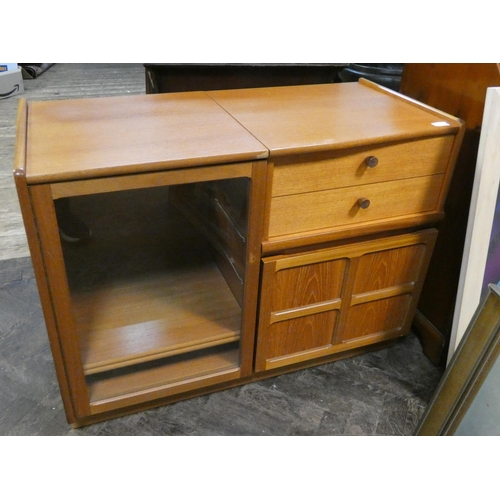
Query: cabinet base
point(94, 419)
point(433, 341)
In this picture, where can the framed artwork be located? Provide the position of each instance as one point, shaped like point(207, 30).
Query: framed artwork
point(481, 257)
point(467, 400)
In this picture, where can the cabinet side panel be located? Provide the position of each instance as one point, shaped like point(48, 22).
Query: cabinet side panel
point(253, 261)
point(36, 256)
point(51, 253)
point(45, 298)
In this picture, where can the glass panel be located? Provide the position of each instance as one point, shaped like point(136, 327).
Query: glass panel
point(161, 277)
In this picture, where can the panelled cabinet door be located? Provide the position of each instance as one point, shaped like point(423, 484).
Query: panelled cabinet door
point(326, 301)
point(383, 288)
point(300, 306)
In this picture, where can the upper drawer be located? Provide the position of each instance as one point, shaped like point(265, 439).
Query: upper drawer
point(396, 161)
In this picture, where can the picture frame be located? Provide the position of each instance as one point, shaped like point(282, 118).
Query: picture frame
point(481, 255)
point(467, 400)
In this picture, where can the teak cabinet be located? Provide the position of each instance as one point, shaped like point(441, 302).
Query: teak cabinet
point(237, 234)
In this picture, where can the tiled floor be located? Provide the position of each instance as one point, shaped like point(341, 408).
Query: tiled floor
point(381, 393)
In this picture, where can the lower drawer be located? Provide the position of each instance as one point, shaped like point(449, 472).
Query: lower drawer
point(352, 205)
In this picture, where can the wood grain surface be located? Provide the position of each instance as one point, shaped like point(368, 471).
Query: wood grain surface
point(291, 120)
point(85, 138)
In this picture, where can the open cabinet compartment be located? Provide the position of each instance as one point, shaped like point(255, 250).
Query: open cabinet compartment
point(155, 300)
point(147, 296)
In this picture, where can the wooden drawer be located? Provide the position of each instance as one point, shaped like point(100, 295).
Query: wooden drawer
point(349, 168)
point(320, 210)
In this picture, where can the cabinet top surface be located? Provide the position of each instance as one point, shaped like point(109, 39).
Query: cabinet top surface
point(84, 138)
point(298, 119)
point(89, 138)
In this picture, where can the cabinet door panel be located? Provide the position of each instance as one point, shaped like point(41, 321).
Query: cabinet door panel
point(325, 301)
point(387, 268)
point(380, 317)
point(300, 334)
point(308, 284)
point(300, 299)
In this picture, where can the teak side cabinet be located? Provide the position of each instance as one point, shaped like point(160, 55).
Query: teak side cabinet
point(237, 234)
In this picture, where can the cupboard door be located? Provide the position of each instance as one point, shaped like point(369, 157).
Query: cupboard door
point(300, 304)
point(327, 301)
point(385, 286)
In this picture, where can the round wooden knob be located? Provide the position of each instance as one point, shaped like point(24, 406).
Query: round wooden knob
point(363, 203)
point(371, 161)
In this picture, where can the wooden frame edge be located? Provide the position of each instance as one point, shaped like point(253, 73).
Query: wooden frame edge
point(479, 348)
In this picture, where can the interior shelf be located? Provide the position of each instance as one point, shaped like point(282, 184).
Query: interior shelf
point(164, 374)
point(155, 317)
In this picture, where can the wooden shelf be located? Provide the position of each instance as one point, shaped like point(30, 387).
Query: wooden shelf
point(155, 317)
point(163, 375)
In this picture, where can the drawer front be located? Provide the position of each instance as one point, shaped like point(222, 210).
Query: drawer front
point(398, 161)
point(331, 208)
